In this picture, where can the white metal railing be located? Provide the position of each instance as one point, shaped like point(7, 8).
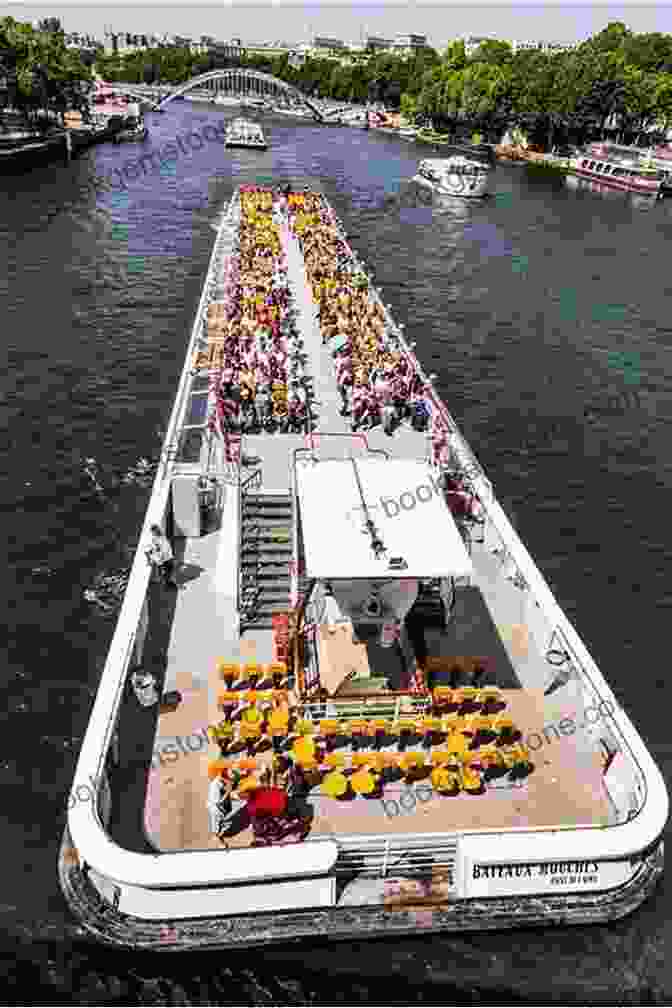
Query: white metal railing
point(407, 855)
point(394, 705)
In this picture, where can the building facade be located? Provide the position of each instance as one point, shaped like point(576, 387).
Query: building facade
point(374, 43)
point(409, 42)
point(335, 47)
point(472, 42)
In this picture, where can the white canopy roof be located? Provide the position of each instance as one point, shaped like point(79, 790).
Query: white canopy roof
point(332, 520)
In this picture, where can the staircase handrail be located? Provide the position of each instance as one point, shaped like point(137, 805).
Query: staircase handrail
point(242, 484)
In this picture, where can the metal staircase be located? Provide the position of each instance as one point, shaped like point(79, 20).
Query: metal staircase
point(428, 608)
point(266, 552)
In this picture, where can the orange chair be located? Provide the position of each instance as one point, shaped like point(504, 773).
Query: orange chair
point(250, 732)
point(218, 767)
point(484, 730)
point(278, 673)
point(492, 701)
point(364, 781)
point(228, 671)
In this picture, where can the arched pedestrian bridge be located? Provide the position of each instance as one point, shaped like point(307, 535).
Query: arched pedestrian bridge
point(236, 82)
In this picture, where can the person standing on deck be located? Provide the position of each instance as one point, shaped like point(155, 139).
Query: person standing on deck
point(160, 554)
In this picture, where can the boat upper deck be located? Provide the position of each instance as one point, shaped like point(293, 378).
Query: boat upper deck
point(377, 732)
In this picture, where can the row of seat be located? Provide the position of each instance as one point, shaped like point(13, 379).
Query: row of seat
point(362, 770)
point(243, 675)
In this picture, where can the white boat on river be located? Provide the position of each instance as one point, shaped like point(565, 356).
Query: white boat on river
point(370, 716)
point(459, 174)
point(245, 133)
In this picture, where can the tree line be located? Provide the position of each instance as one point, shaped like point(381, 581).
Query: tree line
point(616, 82)
point(38, 74)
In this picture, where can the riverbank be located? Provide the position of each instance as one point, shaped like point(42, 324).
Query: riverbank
point(22, 149)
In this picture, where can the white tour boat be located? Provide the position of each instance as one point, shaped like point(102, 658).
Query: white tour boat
point(462, 172)
point(627, 168)
point(364, 712)
point(245, 133)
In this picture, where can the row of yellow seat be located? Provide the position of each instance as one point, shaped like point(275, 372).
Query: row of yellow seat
point(375, 762)
point(242, 672)
point(279, 715)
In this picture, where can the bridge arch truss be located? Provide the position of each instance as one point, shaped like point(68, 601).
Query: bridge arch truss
point(242, 82)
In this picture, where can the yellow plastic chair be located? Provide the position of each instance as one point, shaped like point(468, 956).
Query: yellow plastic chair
point(223, 730)
point(247, 784)
point(251, 717)
point(278, 721)
point(450, 723)
point(334, 785)
point(305, 727)
point(471, 780)
point(406, 724)
point(410, 760)
point(328, 727)
point(445, 781)
point(303, 750)
point(456, 744)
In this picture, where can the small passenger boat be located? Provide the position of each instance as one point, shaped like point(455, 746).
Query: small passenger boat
point(379, 729)
point(132, 134)
point(245, 133)
point(464, 172)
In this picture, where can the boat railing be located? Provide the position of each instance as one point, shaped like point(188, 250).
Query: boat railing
point(252, 482)
point(393, 705)
point(407, 855)
point(603, 701)
point(561, 653)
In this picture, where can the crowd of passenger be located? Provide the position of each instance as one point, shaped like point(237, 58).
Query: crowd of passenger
point(376, 380)
point(254, 348)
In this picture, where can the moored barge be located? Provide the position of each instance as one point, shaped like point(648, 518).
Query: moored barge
point(627, 169)
point(389, 711)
